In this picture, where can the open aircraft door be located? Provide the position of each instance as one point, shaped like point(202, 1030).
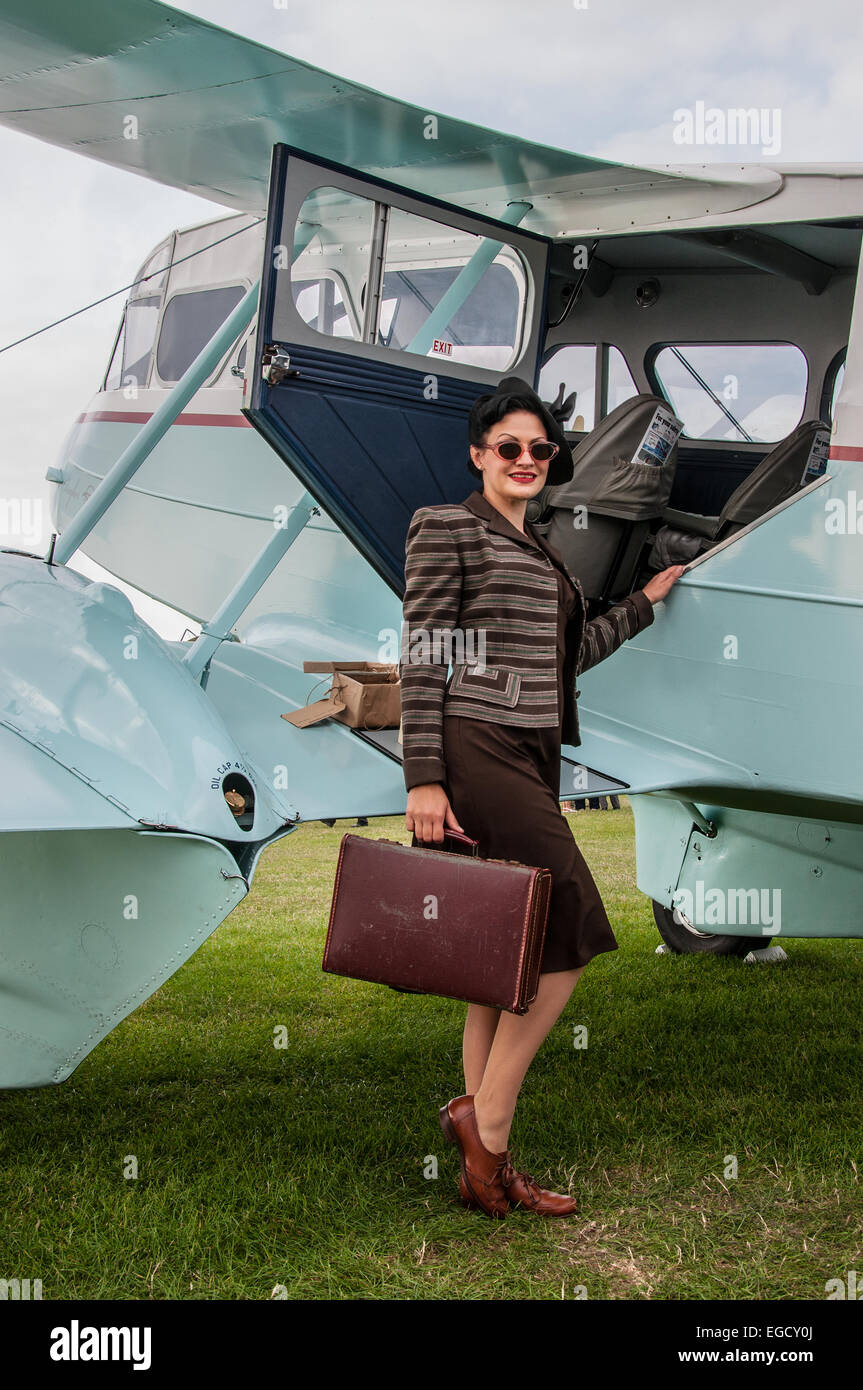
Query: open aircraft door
point(383, 315)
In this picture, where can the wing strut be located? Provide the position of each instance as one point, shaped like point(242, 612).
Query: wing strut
point(218, 629)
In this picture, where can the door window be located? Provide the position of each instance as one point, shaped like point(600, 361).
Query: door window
point(321, 305)
point(449, 293)
point(443, 292)
point(330, 261)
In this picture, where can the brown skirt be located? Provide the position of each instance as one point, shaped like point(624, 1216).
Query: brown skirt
point(503, 784)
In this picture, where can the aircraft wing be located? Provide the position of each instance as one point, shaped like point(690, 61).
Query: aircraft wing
point(144, 87)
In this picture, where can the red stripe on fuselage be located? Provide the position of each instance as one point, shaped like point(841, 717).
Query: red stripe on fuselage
point(846, 451)
point(140, 417)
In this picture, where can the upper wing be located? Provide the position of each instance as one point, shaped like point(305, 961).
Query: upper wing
point(208, 106)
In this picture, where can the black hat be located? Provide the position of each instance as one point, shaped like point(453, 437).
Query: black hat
point(560, 468)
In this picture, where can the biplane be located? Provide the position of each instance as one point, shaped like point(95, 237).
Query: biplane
point(291, 380)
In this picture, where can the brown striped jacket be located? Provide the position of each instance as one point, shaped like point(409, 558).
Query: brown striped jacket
point(482, 596)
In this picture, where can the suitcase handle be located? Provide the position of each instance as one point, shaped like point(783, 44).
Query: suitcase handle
point(463, 844)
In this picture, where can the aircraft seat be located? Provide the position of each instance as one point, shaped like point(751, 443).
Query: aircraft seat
point(622, 477)
point(795, 460)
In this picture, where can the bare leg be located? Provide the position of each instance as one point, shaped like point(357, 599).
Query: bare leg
point(517, 1039)
point(479, 1030)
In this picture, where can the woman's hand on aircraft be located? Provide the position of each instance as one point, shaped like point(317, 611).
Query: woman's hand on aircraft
point(657, 588)
point(428, 811)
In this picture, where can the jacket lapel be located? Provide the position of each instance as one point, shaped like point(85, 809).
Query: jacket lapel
point(495, 520)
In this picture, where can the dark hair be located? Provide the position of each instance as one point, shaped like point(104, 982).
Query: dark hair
point(487, 411)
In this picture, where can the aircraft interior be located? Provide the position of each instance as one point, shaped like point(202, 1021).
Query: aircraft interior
point(737, 339)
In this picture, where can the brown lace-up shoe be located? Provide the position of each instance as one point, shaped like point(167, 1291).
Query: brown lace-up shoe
point(481, 1170)
point(522, 1190)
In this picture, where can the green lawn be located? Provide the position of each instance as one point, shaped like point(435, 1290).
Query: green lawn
point(303, 1166)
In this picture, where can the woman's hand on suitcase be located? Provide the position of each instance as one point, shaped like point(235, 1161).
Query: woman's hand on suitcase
point(428, 811)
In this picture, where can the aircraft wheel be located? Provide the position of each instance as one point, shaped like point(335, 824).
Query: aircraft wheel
point(683, 938)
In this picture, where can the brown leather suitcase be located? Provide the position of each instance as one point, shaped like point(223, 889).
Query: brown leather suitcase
point(430, 920)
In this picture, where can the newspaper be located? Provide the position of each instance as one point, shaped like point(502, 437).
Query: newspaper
point(659, 439)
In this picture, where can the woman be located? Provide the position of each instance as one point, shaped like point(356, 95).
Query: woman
point(484, 748)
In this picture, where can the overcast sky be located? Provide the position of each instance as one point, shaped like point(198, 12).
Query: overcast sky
point(600, 77)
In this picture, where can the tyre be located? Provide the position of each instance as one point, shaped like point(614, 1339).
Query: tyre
point(683, 938)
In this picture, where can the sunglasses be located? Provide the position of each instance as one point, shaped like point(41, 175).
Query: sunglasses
point(541, 451)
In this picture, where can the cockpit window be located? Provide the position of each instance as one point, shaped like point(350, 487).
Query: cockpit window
point(753, 392)
point(133, 350)
point(188, 323)
point(130, 364)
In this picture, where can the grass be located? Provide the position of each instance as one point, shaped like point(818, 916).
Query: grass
point(303, 1166)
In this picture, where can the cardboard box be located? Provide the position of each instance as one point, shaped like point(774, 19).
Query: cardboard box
point(363, 694)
